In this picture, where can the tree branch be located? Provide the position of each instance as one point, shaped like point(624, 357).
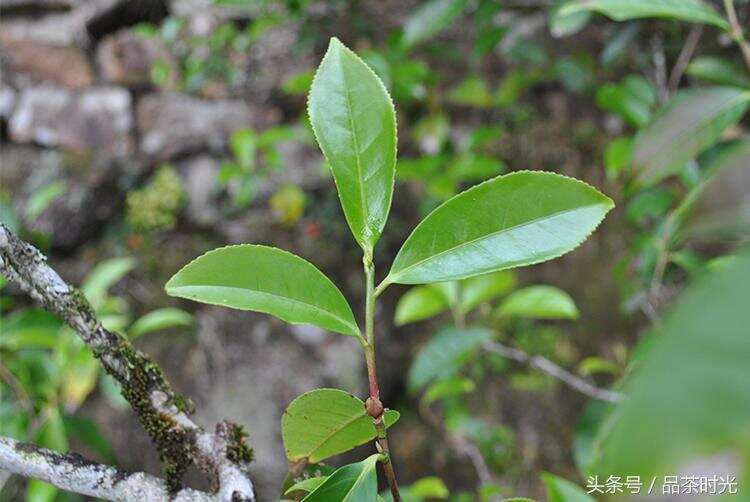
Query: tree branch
point(737, 33)
point(545, 365)
point(163, 412)
point(686, 54)
point(74, 473)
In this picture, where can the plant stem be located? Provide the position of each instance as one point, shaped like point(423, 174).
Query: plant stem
point(736, 33)
point(374, 405)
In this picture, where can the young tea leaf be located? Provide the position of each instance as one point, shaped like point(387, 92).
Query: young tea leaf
point(719, 71)
point(430, 18)
point(268, 280)
point(159, 319)
point(355, 125)
point(694, 11)
point(306, 485)
point(444, 355)
point(513, 220)
point(692, 121)
point(562, 490)
point(351, 483)
point(483, 288)
point(419, 303)
point(325, 422)
point(539, 302)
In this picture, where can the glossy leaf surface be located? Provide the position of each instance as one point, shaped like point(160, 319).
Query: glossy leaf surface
point(325, 422)
point(513, 220)
point(692, 121)
point(351, 483)
point(265, 279)
point(355, 124)
point(695, 11)
point(539, 302)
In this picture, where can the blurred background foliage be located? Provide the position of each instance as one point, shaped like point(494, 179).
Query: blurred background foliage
point(216, 148)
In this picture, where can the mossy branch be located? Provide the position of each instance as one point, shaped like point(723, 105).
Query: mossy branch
point(164, 413)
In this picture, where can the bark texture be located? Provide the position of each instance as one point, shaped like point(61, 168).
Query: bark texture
point(164, 413)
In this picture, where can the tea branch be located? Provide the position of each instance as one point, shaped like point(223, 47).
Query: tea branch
point(737, 33)
point(546, 366)
point(74, 473)
point(373, 404)
point(163, 412)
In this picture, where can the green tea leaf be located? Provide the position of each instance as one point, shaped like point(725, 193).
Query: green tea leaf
point(696, 363)
point(513, 220)
point(268, 280)
point(419, 303)
point(444, 355)
point(694, 11)
point(43, 197)
point(306, 485)
point(351, 483)
point(539, 302)
point(632, 99)
point(483, 288)
point(448, 388)
point(29, 329)
point(719, 208)
point(159, 319)
point(562, 25)
point(430, 487)
point(325, 422)
point(355, 125)
point(692, 121)
point(562, 490)
point(430, 18)
point(105, 275)
point(719, 71)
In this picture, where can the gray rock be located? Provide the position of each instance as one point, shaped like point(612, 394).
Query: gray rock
point(172, 124)
point(7, 101)
point(28, 62)
point(126, 59)
point(200, 177)
point(92, 190)
point(97, 120)
point(60, 28)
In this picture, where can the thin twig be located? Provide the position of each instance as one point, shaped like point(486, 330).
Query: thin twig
point(460, 443)
point(737, 33)
point(74, 473)
point(686, 54)
point(162, 411)
point(660, 68)
point(545, 365)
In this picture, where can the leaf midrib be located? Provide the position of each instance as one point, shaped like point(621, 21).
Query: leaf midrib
point(326, 313)
point(486, 236)
point(355, 145)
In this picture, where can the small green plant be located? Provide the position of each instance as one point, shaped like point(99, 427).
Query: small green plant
point(254, 158)
point(509, 221)
point(156, 206)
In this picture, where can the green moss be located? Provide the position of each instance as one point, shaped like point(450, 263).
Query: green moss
point(237, 450)
point(157, 205)
point(176, 446)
